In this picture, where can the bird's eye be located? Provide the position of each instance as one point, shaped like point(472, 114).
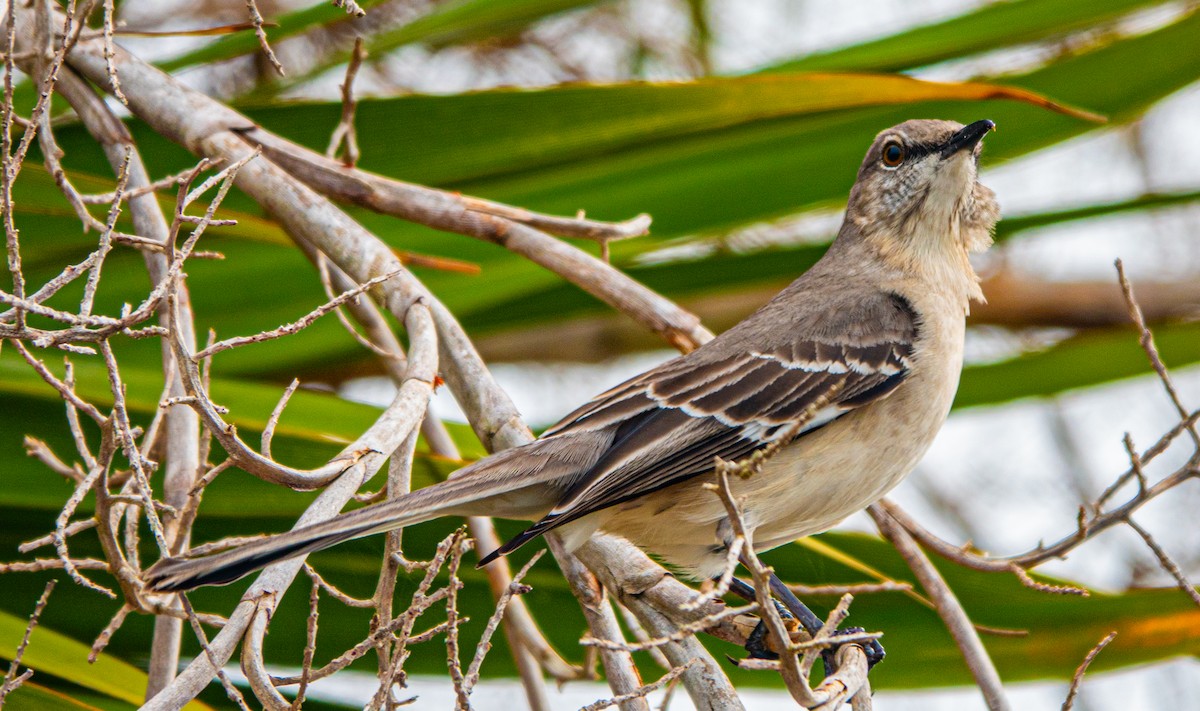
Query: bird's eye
point(893, 154)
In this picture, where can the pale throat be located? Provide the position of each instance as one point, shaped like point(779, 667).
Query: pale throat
point(934, 245)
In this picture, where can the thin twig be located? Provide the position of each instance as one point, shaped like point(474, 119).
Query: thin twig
point(310, 641)
point(1146, 339)
point(295, 326)
point(109, 21)
point(256, 19)
point(1077, 679)
point(345, 132)
point(948, 608)
point(332, 590)
point(642, 691)
point(12, 679)
point(461, 692)
point(273, 420)
point(485, 641)
point(1165, 560)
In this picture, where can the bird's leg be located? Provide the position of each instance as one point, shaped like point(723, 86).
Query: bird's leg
point(756, 643)
point(787, 602)
point(813, 624)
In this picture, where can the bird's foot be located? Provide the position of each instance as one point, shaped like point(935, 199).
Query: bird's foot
point(874, 650)
point(756, 643)
point(758, 648)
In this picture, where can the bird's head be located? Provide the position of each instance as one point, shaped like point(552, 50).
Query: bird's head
point(918, 198)
point(918, 183)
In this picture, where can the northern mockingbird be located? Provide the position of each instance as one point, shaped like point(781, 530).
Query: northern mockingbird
point(865, 348)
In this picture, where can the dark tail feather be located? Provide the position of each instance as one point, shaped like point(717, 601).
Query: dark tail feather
point(520, 539)
point(178, 574)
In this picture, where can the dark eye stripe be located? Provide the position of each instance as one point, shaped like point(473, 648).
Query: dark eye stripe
point(920, 150)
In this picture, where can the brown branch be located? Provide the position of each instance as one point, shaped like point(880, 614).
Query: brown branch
point(297, 325)
point(345, 131)
point(1146, 340)
point(1077, 679)
point(447, 211)
point(577, 226)
point(256, 19)
point(854, 589)
point(640, 693)
point(12, 679)
point(384, 435)
point(948, 608)
point(1165, 560)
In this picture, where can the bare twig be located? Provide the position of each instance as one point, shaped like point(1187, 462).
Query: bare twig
point(642, 691)
point(107, 633)
point(109, 21)
point(948, 608)
point(297, 325)
point(273, 420)
point(531, 651)
point(578, 226)
point(12, 679)
point(133, 192)
point(447, 211)
point(211, 655)
point(1146, 339)
point(855, 589)
point(345, 131)
point(485, 641)
point(1077, 679)
point(310, 640)
point(794, 676)
point(256, 19)
point(392, 426)
point(1165, 560)
point(332, 591)
point(462, 692)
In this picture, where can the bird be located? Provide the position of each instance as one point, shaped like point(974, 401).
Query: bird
point(855, 363)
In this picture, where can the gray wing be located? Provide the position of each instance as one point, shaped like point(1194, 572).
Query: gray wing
point(671, 422)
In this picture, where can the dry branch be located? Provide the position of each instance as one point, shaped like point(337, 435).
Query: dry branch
point(1077, 678)
point(15, 677)
point(948, 608)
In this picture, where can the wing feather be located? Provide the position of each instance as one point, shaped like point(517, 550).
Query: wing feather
point(670, 423)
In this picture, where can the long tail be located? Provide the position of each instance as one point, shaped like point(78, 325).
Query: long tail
point(178, 574)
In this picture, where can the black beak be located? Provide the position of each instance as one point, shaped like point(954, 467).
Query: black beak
point(967, 137)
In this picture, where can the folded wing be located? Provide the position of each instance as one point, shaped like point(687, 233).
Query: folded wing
point(672, 422)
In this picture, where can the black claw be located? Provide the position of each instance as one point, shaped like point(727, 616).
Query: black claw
point(756, 643)
point(874, 650)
